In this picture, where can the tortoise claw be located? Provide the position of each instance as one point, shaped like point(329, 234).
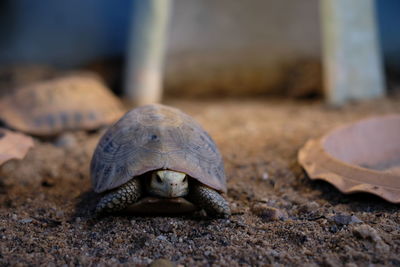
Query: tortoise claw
point(209, 200)
point(120, 198)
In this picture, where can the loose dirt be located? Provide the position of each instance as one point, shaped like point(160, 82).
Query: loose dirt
point(280, 217)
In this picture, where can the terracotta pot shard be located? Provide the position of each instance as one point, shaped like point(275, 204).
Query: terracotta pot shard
point(13, 145)
point(360, 157)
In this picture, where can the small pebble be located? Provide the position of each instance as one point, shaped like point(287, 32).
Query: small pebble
point(312, 206)
point(342, 219)
point(333, 229)
point(267, 213)
point(331, 261)
point(367, 232)
point(66, 140)
point(60, 213)
point(162, 263)
point(28, 220)
point(161, 237)
point(273, 253)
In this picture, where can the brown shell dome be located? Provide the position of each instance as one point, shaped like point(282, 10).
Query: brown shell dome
point(71, 102)
point(156, 137)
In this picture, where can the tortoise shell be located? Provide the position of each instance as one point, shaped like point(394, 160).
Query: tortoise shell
point(71, 102)
point(156, 137)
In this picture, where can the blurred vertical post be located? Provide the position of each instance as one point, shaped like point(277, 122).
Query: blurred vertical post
point(146, 49)
point(352, 61)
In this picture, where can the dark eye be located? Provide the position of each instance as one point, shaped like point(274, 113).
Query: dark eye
point(158, 179)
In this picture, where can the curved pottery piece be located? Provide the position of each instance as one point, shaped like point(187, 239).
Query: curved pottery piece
point(359, 157)
point(13, 145)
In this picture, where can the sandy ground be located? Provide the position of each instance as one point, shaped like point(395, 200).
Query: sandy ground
point(280, 217)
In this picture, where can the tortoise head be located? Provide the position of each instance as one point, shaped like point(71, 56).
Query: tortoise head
point(168, 184)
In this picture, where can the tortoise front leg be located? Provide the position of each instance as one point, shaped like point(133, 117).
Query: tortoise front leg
point(121, 197)
point(209, 200)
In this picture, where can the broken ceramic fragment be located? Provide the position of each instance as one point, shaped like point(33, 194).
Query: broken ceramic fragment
point(13, 145)
point(360, 157)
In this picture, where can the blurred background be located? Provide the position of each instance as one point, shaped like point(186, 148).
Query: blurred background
point(212, 48)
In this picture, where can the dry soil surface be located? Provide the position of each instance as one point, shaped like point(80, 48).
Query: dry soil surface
point(280, 217)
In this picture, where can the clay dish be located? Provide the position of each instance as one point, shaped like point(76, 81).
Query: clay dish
point(360, 157)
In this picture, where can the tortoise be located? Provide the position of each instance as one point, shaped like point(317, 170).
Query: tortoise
point(75, 101)
point(158, 159)
point(17, 76)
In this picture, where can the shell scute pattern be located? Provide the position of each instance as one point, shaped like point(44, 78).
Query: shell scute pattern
point(65, 103)
point(156, 137)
